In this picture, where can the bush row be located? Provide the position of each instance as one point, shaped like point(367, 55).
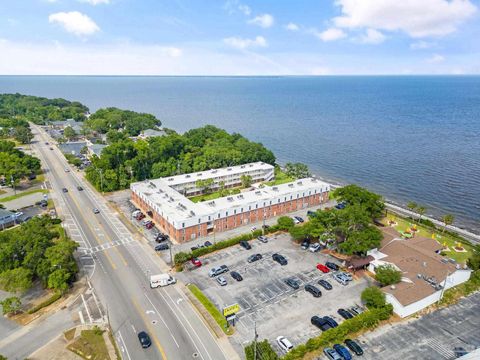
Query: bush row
point(365, 321)
point(182, 257)
point(263, 351)
point(47, 302)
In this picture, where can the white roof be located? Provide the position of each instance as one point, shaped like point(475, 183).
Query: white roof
point(180, 211)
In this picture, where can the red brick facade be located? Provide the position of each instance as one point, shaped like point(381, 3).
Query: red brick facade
point(230, 222)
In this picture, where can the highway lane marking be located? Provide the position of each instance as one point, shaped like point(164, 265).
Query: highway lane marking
point(183, 325)
point(161, 318)
point(133, 327)
point(124, 345)
point(150, 329)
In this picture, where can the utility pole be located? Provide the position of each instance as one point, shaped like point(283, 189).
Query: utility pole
point(13, 185)
point(255, 341)
point(171, 256)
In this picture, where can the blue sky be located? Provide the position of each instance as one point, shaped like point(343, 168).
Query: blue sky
point(233, 37)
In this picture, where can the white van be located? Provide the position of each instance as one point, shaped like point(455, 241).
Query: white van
point(284, 344)
point(161, 280)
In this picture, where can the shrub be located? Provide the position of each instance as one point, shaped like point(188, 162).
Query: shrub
point(387, 275)
point(285, 222)
point(47, 302)
point(373, 297)
point(264, 351)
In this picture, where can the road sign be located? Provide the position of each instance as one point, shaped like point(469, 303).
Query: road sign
point(231, 309)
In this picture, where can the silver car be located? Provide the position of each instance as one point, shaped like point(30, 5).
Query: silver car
point(222, 281)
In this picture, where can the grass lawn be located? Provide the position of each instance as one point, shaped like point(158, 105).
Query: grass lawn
point(25, 193)
point(404, 224)
point(90, 345)
point(211, 308)
point(280, 178)
point(213, 195)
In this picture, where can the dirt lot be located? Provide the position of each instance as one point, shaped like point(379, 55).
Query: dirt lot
point(263, 296)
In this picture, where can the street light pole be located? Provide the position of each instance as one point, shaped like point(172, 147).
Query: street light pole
point(263, 227)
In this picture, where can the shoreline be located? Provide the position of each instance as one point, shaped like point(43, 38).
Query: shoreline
point(469, 234)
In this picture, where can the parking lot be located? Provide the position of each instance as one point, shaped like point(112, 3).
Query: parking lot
point(263, 296)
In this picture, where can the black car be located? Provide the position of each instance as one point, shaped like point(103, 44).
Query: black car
point(254, 257)
point(144, 339)
point(79, 188)
point(332, 323)
point(292, 283)
point(236, 276)
point(207, 243)
point(160, 247)
point(245, 245)
point(345, 314)
point(305, 244)
point(354, 347)
point(193, 248)
point(325, 284)
point(65, 190)
point(332, 266)
point(313, 290)
point(299, 219)
point(280, 259)
point(321, 323)
point(311, 213)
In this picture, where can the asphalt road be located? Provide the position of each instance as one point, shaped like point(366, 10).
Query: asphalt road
point(122, 269)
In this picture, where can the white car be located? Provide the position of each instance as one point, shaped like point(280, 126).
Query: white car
point(222, 281)
point(18, 214)
point(295, 221)
point(314, 247)
point(67, 170)
point(284, 344)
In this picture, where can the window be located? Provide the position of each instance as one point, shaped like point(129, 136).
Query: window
point(234, 212)
point(199, 221)
point(183, 225)
point(226, 214)
point(256, 206)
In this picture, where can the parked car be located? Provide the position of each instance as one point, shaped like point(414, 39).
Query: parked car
point(161, 237)
point(150, 225)
point(323, 268)
point(146, 221)
point(305, 244)
point(311, 213)
point(144, 339)
point(140, 216)
point(79, 188)
point(96, 211)
point(196, 262)
point(67, 170)
point(356, 310)
point(342, 351)
point(221, 280)
point(321, 323)
point(217, 270)
point(354, 347)
point(325, 284)
point(18, 214)
point(295, 220)
point(314, 247)
point(347, 276)
point(254, 257)
point(292, 283)
point(332, 266)
point(236, 276)
point(330, 321)
point(46, 143)
point(150, 213)
point(163, 246)
point(313, 290)
point(299, 219)
point(51, 148)
point(263, 239)
point(345, 314)
point(339, 278)
point(284, 344)
point(331, 354)
point(245, 245)
point(65, 190)
point(280, 259)
point(207, 243)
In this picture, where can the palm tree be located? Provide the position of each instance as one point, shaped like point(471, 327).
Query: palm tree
point(412, 205)
point(447, 220)
point(421, 211)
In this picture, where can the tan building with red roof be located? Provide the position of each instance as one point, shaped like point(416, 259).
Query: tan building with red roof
point(425, 273)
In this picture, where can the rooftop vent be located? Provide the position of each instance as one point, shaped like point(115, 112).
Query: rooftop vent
point(152, 184)
point(424, 264)
point(299, 183)
point(275, 188)
point(170, 179)
point(242, 167)
point(240, 196)
point(230, 198)
point(251, 165)
point(258, 193)
point(160, 191)
point(393, 287)
point(214, 171)
point(187, 176)
point(290, 185)
point(199, 174)
point(192, 213)
point(229, 169)
point(211, 203)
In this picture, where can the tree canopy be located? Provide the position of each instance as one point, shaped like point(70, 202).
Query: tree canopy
point(130, 122)
point(15, 163)
point(373, 297)
point(36, 250)
point(199, 149)
point(297, 170)
point(387, 275)
point(355, 195)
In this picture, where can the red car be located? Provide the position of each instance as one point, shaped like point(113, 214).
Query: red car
point(140, 216)
point(323, 268)
point(150, 225)
point(196, 262)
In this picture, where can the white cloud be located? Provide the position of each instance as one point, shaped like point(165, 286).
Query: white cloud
point(435, 58)
point(292, 27)
point(242, 43)
point(245, 9)
point(264, 21)
point(331, 34)
point(74, 22)
point(417, 18)
point(321, 70)
point(420, 45)
point(95, 2)
point(372, 36)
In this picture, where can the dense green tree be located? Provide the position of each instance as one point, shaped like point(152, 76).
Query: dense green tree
point(23, 134)
point(59, 280)
point(473, 261)
point(69, 133)
point(261, 350)
point(447, 220)
point(387, 275)
point(285, 222)
point(246, 181)
point(373, 297)
point(205, 186)
point(10, 305)
point(355, 195)
point(412, 206)
point(360, 241)
point(297, 170)
point(421, 210)
point(18, 279)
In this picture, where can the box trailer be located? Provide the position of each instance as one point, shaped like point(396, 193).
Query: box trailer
point(161, 280)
